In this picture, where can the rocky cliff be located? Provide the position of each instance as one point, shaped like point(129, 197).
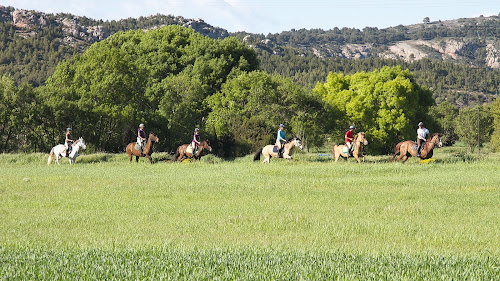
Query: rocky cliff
point(76, 30)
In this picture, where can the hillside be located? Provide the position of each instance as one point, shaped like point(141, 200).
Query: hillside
point(458, 59)
point(471, 41)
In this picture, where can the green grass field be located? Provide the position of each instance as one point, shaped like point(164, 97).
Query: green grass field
point(311, 218)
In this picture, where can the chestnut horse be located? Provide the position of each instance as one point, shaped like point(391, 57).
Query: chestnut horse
point(405, 148)
point(146, 152)
point(182, 154)
point(268, 150)
point(358, 142)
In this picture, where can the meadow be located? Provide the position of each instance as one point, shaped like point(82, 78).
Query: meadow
point(310, 218)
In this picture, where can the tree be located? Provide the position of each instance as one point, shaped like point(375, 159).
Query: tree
point(466, 126)
point(495, 137)
point(247, 111)
point(385, 103)
point(444, 115)
point(160, 77)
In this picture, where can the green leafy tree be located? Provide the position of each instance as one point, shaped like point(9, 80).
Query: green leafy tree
point(160, 77)
point(247, 111)
point(385, 103)
point(444, 115)
point(495, 137)
point(466, 126)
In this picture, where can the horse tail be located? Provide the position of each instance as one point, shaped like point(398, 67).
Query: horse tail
point(177, 154)
point(256, 156)
point(51, 155)
point(396, 151)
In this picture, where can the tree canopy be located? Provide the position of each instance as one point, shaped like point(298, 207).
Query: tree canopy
point(386, 104)
point(160, 77)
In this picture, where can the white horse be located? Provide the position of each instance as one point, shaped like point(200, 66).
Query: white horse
point(60, 151)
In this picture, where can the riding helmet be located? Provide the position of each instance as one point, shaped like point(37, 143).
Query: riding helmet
point(282, 126)
point(141, 125)
point(196, 130)
point(420, 124)
point(352, 127)
point(68, 130)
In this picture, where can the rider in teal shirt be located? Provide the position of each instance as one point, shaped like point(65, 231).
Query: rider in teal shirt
point(280, 139)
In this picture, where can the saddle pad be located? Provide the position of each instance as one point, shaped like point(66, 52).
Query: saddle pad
point(137, 146)
point(275, 149)
point(189, 149)
point(346, 150)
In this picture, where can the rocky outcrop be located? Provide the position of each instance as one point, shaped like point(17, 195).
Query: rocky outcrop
point(73, 30)
point(28, 23)
point(205, 29)
point(29, 19)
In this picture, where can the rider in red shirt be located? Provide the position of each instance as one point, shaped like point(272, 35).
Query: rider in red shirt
point(349, 137)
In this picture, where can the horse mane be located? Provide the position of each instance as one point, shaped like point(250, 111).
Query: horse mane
point(431, 136)
point(77, 141)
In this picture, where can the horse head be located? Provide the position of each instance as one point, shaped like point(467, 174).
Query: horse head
point(361, 137)
point(82, 141)
point(436, 139)
point(297, 142)
point(206, 145)
point(153, 138)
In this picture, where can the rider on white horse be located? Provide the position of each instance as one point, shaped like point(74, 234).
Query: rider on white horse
point(68, 141)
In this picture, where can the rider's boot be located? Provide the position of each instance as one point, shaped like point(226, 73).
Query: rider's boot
point(418, 151)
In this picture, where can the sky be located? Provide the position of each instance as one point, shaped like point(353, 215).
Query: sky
point(273, 16)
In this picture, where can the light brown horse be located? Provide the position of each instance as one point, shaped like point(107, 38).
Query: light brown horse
point(405, 148)
point(358, 142)
point(268, 152)
point(146, 152)
point(182, 154)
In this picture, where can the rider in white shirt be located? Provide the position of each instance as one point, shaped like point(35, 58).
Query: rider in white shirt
point(421, 137)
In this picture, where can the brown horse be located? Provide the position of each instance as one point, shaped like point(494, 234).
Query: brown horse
point(182, 154)
point(268, 150)
point(147, 151)
point(358, 142)
point(405, 148)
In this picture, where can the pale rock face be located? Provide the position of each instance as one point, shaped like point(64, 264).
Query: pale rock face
point(492, 56)
point(28, 19)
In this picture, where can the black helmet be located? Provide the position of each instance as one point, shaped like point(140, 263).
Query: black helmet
point(420, 124)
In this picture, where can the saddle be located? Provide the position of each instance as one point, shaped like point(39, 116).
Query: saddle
point(415, 146)
point(275, 149)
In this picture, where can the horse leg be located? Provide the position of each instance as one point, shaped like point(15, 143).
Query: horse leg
point(137, 159)
point(405, 157)
point(150, 159)
point(130, 156)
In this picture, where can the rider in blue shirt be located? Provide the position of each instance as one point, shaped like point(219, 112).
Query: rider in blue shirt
point(280, 140)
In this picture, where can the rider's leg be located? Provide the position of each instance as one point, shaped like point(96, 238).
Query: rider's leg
point(419, 143)
point(349, 146)
point(278, 146)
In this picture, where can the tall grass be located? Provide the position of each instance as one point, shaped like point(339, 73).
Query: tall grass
point(304, 219)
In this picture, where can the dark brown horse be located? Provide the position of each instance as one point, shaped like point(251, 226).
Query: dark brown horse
point(181, 152)
point(147, 151)
point(406, 149)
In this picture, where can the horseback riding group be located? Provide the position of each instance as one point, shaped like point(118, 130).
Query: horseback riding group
point(353, 146)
